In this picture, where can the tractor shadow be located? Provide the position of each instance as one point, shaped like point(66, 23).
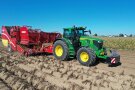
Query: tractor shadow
point(109, 65)
point(115, 65)
point(74, 59)
point(98, 61)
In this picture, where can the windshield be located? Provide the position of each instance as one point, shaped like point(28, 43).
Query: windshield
point(83, 33)
point(80, 32)
point(72, 33)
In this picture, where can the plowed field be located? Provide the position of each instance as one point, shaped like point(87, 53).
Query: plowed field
point(43, 72)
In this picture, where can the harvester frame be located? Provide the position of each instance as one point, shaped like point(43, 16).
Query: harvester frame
point(26, 40)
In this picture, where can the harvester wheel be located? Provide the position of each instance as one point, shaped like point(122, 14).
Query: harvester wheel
point(60, 50)
point(86, 56)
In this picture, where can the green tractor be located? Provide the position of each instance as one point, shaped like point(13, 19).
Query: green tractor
point(77, 42)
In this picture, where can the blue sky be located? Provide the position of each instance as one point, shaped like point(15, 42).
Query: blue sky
point(104, 17)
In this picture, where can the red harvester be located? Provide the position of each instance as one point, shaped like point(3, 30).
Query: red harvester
point(27, 40)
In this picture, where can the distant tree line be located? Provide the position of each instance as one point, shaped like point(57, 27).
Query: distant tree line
point(120, 35)
point(95, 34)
point(125, 35)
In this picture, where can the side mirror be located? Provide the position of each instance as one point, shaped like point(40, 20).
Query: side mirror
point(90, 31)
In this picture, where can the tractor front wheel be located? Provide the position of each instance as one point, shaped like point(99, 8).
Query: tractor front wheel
point(60, 50)
point(86, 56)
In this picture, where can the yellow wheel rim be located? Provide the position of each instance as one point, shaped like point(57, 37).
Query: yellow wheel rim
point(84, 56)
point(59, 50)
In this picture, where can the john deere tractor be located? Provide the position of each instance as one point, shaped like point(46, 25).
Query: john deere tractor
point(78, 42)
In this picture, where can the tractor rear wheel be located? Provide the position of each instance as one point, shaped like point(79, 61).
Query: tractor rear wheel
point(86, 56)
point(60, 50)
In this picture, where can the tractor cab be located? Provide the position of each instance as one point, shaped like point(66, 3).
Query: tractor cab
point(79, 36)
point(76, 32)
point(73, 34)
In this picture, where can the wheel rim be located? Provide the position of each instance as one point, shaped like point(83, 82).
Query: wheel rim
point(59, 50)
point(84, 56)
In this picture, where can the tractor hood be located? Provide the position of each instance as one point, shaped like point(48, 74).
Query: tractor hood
point(90, 38)
point(95, 43)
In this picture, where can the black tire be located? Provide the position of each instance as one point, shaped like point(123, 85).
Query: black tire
point(65, 54)
point(92, 57)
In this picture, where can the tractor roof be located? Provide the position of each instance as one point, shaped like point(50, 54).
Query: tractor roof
point(75, 28)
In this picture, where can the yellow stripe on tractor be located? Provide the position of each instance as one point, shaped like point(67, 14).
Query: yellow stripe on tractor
point(5, 42)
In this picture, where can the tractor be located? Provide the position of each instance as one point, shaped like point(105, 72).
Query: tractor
point(77, 42)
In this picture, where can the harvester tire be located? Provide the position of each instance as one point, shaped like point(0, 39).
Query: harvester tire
point(60, 50)
point(86, 56)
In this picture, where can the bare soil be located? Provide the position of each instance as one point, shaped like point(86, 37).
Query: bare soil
point(44, 72)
